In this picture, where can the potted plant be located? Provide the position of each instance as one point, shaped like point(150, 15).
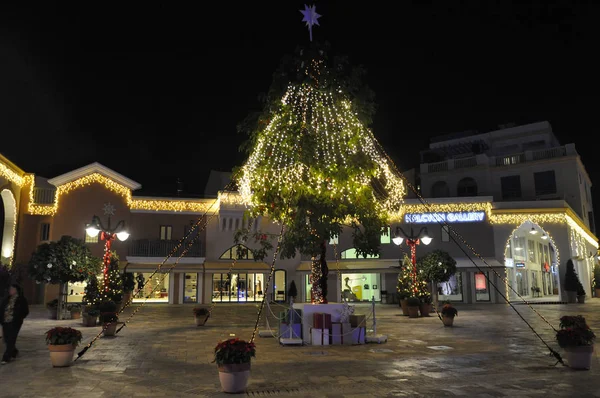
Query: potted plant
point(448, 314)
point(293, 291)
point(425, 304)
point(108, 317)
point(580, 293)
point(412, 304)
point(201, 315)
point(128, 287)
point(571, 282)
point(61, 344)
point(577, 339)
point(90, 316)
point(52, 307)
point(597, 279)
point(75, 310)
point(233, 360)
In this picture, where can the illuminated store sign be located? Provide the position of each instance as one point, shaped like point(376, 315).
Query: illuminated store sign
point(450, 217)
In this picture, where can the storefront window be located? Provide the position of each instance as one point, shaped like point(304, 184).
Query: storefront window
point(156, 287)
point(531, 250)
point(451, 290)
point(76, 291)
point(519, 248)
point(482, 291)
point(351, 254)
point(522, 285)
point(308, 286)
point(237, 287)
point(279, 287)
point(190, 288)
point(361, 287)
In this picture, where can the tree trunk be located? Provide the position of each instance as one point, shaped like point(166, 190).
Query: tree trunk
point(62, 301)
point(319, 273)
point(434, 295)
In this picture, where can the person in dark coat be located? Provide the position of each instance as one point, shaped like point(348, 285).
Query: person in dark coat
point(13, 310)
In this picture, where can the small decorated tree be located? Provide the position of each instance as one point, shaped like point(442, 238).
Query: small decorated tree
point(65, 261)
point(91, 296)
point(405, 281)
point(114, 290)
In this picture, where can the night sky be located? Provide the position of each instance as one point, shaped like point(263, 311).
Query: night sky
point(156, 92)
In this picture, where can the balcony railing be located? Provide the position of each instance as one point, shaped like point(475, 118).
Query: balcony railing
point(464, 163)
point(510, 159)
point(43, 196)
point(549, 153)
point(439, 166)
point(162, 248)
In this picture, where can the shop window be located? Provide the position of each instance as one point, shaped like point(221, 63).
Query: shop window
point(165, 232)
point(482, 291)
point(522, 284)
point(351, 254)
point(445, 233)
point(155, 287)
point(466, 187)
point(545, 182)
point(237, 287)
point(519, 248)
point(238, 252)
point(334, 240)
point(361, 287)
point(451, 290)
point(386, 236)
point(511, 187)
point(531, 251)
point(279, 288)
point(190, 288)
point(45, 232)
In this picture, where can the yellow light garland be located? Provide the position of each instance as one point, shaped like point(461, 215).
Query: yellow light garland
point(11, 176)
point(14, 229)
point(172, 205)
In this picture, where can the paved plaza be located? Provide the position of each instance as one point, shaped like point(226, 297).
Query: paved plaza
point(489, 353)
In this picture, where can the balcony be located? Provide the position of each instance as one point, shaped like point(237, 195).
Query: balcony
point(499, 161)
point(43, 196)
point(163, 248)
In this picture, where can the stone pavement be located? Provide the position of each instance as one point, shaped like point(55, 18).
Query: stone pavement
point(489, 353)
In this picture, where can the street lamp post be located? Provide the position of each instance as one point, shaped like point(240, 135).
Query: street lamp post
point(107, 234)
point(412, 241)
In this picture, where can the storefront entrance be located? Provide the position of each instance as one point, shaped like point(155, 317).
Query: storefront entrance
point(240, 287)
point(156, 287)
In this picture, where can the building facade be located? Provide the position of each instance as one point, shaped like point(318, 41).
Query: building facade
point(184, 248)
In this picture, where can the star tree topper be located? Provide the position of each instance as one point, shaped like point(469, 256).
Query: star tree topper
point(109, 209)
point(310, 17)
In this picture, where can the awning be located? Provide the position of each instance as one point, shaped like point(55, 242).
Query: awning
point(239, 265)
point(356, 265)
point(209, 266)
point(464, 262)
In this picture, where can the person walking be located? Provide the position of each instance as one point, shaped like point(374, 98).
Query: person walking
point(13, 310)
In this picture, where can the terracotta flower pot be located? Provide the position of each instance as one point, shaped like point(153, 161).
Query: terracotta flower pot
point(76, 315)
point(580, 357)
point(201, 320)
point(404, 306)
point(110, 329)
point(425, 309)
point(61, 355)
point(234, 377)
point(581, 299)
point(448, 320)
point(413, 312)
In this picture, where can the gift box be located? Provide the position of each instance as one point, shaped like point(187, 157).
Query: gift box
point(358, 335)
point(284, 316)
point(319, 336)
point(321, 320)
point(340, 333)
point(284, 330)
point(358, 321)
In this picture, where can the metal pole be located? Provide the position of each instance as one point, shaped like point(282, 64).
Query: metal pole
point(374, 320)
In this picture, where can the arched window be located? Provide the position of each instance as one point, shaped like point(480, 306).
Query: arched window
point(239, 252)
point(466, 187)
point(351, 253)
point(440, 190)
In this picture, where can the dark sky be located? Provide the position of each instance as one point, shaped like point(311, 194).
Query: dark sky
point(155, 92)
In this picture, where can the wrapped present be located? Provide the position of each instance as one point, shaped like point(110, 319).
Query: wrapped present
point(358, 335)
point(284, 316)
point(321, 320)
point(358, 321)
point(319, 336)
point(284, 330)
point(340, 333)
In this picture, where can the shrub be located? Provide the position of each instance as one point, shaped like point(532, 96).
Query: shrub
point(571, 279)
point(293, 291)
point(128, 282)
point(63, 336)
point(574, 332)
point(74, 307)
point(201, 311)
point(413, 301)
point(53, 304)
point(449, 311)
point(234, 351)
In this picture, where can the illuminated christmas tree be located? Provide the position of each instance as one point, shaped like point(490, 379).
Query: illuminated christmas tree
point(114, 292)
point(313, 164)
point(405, 279)
point(92, 291)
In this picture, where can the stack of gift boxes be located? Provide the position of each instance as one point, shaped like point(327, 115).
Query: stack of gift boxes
point(325, 332)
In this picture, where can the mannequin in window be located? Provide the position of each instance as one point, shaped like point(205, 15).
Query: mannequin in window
point(140, 284)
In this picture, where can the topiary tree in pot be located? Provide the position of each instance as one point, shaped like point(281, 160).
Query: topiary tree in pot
point(572, 282)
point(435, 267)
point(293, 291)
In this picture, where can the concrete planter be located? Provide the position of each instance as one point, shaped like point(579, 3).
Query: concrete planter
point(61, 355)
point(52, 312)
point(75, 314)
point(110, 329)
point(580, 357)
point(571, 297)
point(234, 377)
point(448, 320)
point(425, 309)
point(201, 320)
point(413, 312)
point(581, 299)
point(89, 320)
